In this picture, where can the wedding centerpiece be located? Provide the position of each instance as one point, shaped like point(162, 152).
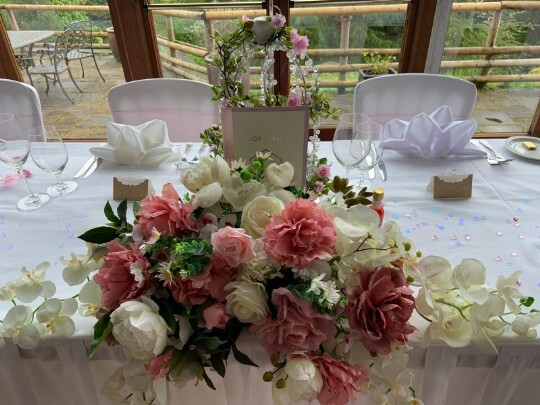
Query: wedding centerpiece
point(325, 290)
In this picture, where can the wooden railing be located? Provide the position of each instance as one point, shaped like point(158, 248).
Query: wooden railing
point(189, 69)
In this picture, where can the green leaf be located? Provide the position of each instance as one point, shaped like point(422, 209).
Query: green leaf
point(208, 380)
point(218, 364)
point(136, 208)
point(101, 234)
point(209, 342)
point(102, 329)
point(167, 314)
point(122, 211)
point(242, 357)
point(110, 214)
point(527, 301)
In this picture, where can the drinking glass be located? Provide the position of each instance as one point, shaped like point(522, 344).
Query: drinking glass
point(14, 150)
point(374, 131)
point(50, 154)
point(349, 145)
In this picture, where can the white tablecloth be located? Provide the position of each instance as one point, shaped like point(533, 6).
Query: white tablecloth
point(500, 225)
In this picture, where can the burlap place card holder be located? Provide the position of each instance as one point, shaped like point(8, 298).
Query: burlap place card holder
point(130, 188)
point(455, 184)
point(283, 131)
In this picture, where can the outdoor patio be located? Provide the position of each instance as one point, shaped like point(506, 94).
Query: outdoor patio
point(507, 110)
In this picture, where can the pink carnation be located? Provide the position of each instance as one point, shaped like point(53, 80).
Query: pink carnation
point(340, 380)
point(278, 21)
point(380, 307)
point(115, 278)
point(297, 326)
point(303, 234)
point(167, 214)
point(323, 171)
point(215, 316)
point(232, 246)
point(294, 100)
point(159, 366)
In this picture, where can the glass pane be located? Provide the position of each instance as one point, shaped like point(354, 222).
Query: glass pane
point(498, 51)
point(87, 117)
point(342, 40)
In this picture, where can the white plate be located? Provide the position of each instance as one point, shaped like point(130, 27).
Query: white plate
point(515, 145)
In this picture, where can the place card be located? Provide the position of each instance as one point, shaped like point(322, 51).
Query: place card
point(454, 184)
point(131, 188)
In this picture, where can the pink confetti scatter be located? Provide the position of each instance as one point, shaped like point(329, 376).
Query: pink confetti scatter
point(517, 225)
point(498, 258)
point(454, 237)
point(519, 282)
point(499, 233)
point(467, 237)
point(515, 219)
point(435, 237)
point(513, 254)
point(521, 236)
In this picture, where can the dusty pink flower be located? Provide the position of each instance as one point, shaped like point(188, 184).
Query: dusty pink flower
point(278, 21)
point(319, 186)
point(293, 34)
point(118, 278)
point(380, 307)
point(215, 316)
point(340, 380)
point(297, 326)
point(233, 246)
point(245, 18)
point(224, 103)
point(167, 214)
point(294, 100)
point(301, 235)
point(14, 177)
point(323, 171)
point(300, 42)
point(159, 366)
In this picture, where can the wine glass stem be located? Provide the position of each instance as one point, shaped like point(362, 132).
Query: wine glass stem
point(59, 183)
point(32, 197)
point(348, 173)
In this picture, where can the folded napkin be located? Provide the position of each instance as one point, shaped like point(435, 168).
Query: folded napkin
point(434, 136)
point(147, 144)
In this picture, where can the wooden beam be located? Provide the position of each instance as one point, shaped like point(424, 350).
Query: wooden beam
point(281, 66)
point(136, 39)
point(9, 68)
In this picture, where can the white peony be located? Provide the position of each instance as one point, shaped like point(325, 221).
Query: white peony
point(280, 175)
point(257, 214)
point(220, 171)
point(239, 193)
point(208, 195)
point(139, 327)
point(247, 302)
point(196, 177)
point(303, 382)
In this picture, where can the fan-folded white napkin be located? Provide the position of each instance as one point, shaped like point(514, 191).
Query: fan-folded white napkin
point(147, 144)
point(434, 136)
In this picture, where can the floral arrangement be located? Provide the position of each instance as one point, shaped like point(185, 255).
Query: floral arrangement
point(325, 290)
point(268, 34)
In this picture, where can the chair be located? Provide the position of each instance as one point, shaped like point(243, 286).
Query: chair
point(185, 105)
point(57, 67)
point(408, 94)
point(22, 100)
point(80, 44)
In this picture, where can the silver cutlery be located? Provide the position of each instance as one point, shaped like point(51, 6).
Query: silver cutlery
point(85, 167)
point(490, 158)
point(183, 156)
point(498, 156)
point(93, 167)
point(198, 155)
point(382, 170)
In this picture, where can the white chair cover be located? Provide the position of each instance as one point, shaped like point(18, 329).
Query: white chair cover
point(22, 100)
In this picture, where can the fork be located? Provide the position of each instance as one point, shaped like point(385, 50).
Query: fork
point(491, 159)
point(498, 156)
point(183, 157)
point(198, 155)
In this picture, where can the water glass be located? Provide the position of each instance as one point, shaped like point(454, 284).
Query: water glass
point(374, 131)
point(349, 145)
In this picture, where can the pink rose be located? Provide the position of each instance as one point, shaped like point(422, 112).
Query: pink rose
point(245, 18)
point(232, 246)
point(167, 214)
point(294, 100)
point(319, 186)
point(301, 235)
point(323, 171)
point(278, 21)
point(340, 379)
point(300, 42)
point(297, 325)
point(293, 34)
point(159, 366)
point(215, 316)
point(123, 276)
point(380, 307)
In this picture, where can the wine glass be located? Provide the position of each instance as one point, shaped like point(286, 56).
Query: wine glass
point(374, 131)
point(349, 145)
point(50, 154)
point(14, 150)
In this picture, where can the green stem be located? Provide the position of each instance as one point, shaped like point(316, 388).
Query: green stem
point(459, 309)
point(13, 302)
point(423, 316)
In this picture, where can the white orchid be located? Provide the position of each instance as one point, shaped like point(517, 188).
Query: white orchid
point(7, 292)
point(470, 278)
point(90, 299)
point(507, 288)
point(435, 273)
point(77, 268)
point(486, 324)
point(302, 381)
point(55, 315)
point(524, 325)
point(18, 326)
point(33, 284)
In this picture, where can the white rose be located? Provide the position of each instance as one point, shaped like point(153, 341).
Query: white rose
point(261, 267)
point(247, 302)
point(239, 193)
point(208, 195)
point(257, 214)
point(303, 382)
point(284, 195)
point(198, 176)
point(280, 175)
point(139, 327)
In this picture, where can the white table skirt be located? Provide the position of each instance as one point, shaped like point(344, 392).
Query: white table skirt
point(499, 225)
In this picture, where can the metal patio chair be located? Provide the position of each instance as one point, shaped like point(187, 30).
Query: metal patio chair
point(80, 44)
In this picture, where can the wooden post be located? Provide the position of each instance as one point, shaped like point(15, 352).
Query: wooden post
point(492, 36)
point(344, 44)
point(13, 20)
point(208, 34)
point(9, 68)
point(170, 33)
point(281, 66)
